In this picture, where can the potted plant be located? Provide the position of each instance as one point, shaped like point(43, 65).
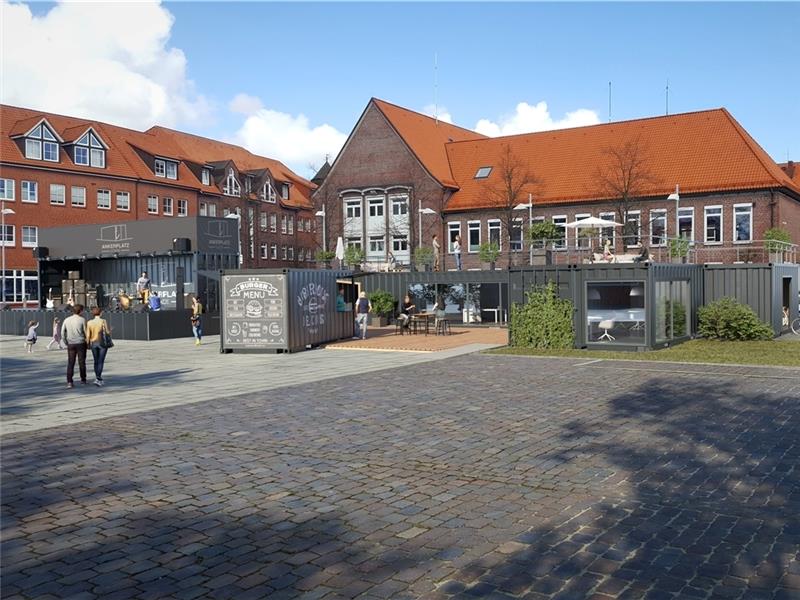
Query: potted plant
point(679, 249)
point(325, 257)
point(538, 236)
point(382, 307)
point(775, 241)
point(423, 258)
point(489, 253)
point(354, 256)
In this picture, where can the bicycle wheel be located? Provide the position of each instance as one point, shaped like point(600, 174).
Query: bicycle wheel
point(796, 326)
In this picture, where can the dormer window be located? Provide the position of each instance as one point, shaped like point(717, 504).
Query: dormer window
point(206, 177)
point(268, 193)
point(166, 168)
point(285, 191)
point(89, 151)
point(248, 184)
point(483, 173)
point(231, 187)
point(41, 144)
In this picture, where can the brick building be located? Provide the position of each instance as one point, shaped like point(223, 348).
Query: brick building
point(396, 163)
point(57, 170)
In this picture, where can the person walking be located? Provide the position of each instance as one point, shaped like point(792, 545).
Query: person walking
point(143, 287)
point(436, 251)
point(31, 337)
point(73, 331)
point(457, 251)
point(94, 338)
point(197, 321)
point(363, 308)
point(56, 334)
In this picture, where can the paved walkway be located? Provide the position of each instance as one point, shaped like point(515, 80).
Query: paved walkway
point(387, 338)
point(479, 476)
point(143, 376)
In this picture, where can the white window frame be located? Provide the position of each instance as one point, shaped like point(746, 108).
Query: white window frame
point(73, 201)
point(160, 167)
point(264, 254)
point(263, 221)
point(205, 176)
point(608, 216)
point(12, 241)
point(470, 229)
point(291, 224)
point(578, 238)
point(7, 193)
point(706, 214)
point(285, 191)
point(398, 241)
point(167, 206)
point(453, 226)
point(749, 206)
point(353, 205)
point(30, 144)
point(183, 207)
point(284, 224)
point(25, 190)
point(55, 187)
point(35, 241)
point(355, 242)
point(106, 193)
point(123, 201)
point(377, 244)
point(399, 206)
point(202, 209)
point(273, 223)
point(212, 210)
point(498, 225)
point(75, 155)
point(172, 169)
point(152, 201)
point(376, 202)
point(273, 251)
point(517, 245)
point(284, 253)
point(97, 158)
point(653, 215)
point(291, 253)
point(231, 187)
point(638, 214)
point(562, 245)
point(688, 212)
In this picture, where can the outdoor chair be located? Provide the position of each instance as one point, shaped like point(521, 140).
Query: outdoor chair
point(605, 326)
point(441, 323)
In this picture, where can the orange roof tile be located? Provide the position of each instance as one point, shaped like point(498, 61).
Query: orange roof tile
point(426, 137)
point(703, 152)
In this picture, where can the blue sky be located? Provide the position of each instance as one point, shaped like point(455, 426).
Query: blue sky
point(325, 61)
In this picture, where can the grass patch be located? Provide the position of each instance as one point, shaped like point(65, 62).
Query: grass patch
point(770, 353)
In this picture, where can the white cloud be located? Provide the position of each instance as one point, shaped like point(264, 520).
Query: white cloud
point(108, 61)
point(529, 118)
point(290, 139)
point(245, 104)
point(444, 114)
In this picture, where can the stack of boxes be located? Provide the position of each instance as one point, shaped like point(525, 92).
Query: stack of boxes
point(81, 293)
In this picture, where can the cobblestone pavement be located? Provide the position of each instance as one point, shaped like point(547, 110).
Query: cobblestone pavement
point(478, 476)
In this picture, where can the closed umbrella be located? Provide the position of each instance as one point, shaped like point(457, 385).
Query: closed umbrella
point(340, 250)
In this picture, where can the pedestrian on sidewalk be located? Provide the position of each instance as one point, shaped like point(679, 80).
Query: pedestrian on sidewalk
point(56, 334)
point(96, 331)
point(31, 337)
point(436, 251)
point(363, 308)
point(197, 321)
point(457, 251)
point(73, 330)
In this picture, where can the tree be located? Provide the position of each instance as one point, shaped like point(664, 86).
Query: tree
point(513, 185)
point(624, 176)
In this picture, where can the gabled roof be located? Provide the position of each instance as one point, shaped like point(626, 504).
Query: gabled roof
point(426, 138)
point(703, 152)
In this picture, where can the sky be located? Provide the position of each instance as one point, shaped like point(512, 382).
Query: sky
point(289, 81)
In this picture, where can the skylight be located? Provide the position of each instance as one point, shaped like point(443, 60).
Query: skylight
point(483, 172)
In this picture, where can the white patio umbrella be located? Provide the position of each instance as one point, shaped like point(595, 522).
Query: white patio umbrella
point(340, 250)
point(593, 222)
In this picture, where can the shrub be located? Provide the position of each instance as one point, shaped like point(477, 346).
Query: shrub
point(325, 255)
point(423, 255)
point(546, 230)
point(382, 302)
point(727, 319)
point(353, 255)
point(776, 234)
point(489, 252)
point(544, 321)
point(678, 247)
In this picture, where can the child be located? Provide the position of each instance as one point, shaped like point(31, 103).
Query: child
point(56, 334)
point(30, 340)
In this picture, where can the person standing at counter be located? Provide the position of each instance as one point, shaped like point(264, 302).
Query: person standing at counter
point(143, 287)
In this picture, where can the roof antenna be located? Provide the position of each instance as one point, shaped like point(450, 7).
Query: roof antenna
point(667, 96)
point(436, 86)
point(609, 102)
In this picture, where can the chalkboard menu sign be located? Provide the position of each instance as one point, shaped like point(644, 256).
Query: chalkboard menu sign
point(254, 311)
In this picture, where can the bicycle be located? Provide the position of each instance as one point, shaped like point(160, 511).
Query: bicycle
point(795, 326)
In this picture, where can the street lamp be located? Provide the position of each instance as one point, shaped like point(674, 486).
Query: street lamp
point(321, 213)
point(423, 211)
point(238, 217)
point(677, 197)
point(529, 206)
point(5, 211)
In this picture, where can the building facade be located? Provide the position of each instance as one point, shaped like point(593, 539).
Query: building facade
point(57, 170)
point(397, 163)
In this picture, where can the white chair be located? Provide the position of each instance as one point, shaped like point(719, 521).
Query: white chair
point(605, 326)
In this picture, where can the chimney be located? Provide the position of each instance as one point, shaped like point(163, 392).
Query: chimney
point(788, 168)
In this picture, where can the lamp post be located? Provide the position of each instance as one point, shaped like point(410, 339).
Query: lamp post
point(677, 197)
point(529, 206)
point(423, 211)
point(321, 213)
point(5, 211)
point(238, 217)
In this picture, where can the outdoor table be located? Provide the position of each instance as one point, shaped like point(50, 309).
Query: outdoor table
point(420, 319)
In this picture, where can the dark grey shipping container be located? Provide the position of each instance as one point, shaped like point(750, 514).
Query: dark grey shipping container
point(283, 310)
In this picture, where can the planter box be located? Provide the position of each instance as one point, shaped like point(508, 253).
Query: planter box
point(375, 321)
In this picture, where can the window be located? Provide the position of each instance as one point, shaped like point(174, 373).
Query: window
point(58, 194)
point(203, 209)
point(264, 251)
point(231, 187)
point(30, 191)
point(301, 254)
point(33, 149)
point(453, 229)
point(308, 225)
point(152, 205)
point(30, 236)
point(615, 312)
point(21, 285)
point(516, 235)
point(6, 189)
point(291, 252)
point(77, 196)
point(291, 224)
point(400, 206)
point(608, 233)
point(104, 199)
point(262, 221)
point(633, 228)
point(713, 225)
point(582, 234)
point(400, 243)
point(89, 151)
point(284, 224)
point(273, 251)
point(474, 236)
point(7, 235)
point(742, 223)
point(686, 223)
point(355, 242)
point(273, 223)
point(172, 170)
point(183, 208)
point(658, 227)
point(205, 177)
point(376, 207)
point(268, 193)
point(166, 206)
point(285, 191)
point(41, 144)
point(353, 209)
point(494, 232)
point(212, 210)
point(248, 184)
point(561, 242)
point(377, 244)
point(283, 252)
point(160, 168)
point(483, 172)
point(123, 201)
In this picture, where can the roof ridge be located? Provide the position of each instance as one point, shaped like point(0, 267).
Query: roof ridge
point(46, 113)
point(472, 131)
